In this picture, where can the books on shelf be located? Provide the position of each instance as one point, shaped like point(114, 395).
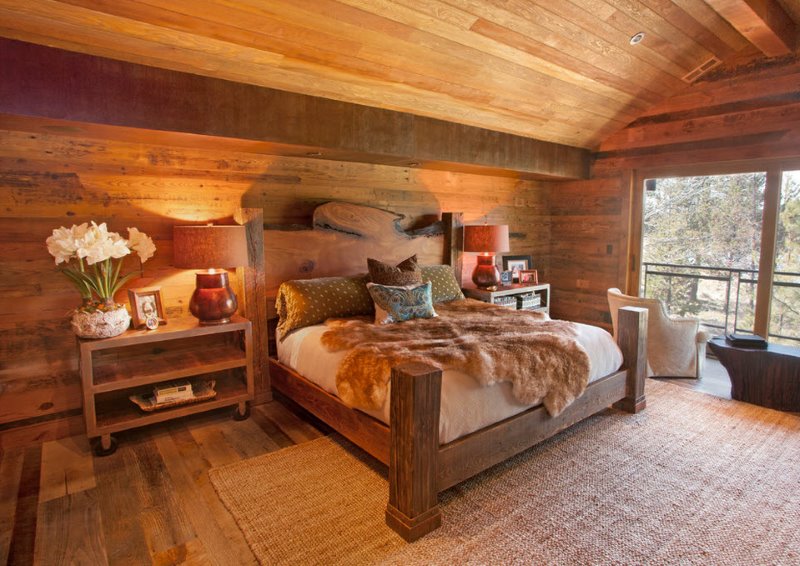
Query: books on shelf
point(746, 341)
point(173, 391)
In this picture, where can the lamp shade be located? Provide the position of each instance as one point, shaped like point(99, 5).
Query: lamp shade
point(486, 238)
point(203, 247)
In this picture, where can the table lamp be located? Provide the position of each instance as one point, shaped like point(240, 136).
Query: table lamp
point(486, 240)
point(212, 249)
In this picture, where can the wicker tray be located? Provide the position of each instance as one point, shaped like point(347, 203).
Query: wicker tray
point(203, 390)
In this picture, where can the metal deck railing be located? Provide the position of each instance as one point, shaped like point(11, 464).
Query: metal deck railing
point(735, 303)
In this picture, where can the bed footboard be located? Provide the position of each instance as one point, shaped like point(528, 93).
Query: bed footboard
point(413, 509)
point(419, 466)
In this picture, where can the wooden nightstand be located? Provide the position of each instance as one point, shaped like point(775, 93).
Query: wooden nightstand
point(512, 294)
point(114, 368)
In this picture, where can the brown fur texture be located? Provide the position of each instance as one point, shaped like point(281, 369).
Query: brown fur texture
point(540, 357)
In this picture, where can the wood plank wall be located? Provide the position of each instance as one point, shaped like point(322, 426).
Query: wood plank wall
point(588, 245)
point(47, 181)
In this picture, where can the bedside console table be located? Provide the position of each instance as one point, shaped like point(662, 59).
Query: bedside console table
point(512, 294)
point(131, 363)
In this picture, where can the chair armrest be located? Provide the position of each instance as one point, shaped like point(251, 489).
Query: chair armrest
point(703, 335)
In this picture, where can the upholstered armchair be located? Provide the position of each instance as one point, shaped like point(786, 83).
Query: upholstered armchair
point(676, 347)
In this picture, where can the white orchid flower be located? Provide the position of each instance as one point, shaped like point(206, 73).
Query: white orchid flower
point(97, 245)
point(62, 245)
point(141, 243)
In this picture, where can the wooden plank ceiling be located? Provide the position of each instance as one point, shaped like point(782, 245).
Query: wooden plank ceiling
point(555, 70)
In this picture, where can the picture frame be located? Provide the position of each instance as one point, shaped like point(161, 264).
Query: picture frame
point(506, 277)
point(529, 276)
point(147, 308)
point(515, 263)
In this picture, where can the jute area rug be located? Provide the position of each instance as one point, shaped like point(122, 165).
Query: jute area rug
point(692, 480)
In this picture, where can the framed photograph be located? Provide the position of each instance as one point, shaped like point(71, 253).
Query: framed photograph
point(147, 310)
point(529, 276)
point(516, 263)
point(506, 277)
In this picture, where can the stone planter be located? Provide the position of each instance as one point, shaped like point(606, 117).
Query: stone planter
point(100, 323)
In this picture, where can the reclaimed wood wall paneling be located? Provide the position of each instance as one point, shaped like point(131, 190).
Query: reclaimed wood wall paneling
point(50, 180)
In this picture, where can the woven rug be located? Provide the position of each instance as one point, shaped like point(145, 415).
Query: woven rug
point(692, 480)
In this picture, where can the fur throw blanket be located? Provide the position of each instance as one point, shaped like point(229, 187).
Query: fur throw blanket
point(540, 357)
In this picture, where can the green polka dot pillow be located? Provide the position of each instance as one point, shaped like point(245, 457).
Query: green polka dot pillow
point(304, 302)
point(444, 284)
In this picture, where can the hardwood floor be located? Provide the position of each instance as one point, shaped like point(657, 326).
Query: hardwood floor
point(151, 502)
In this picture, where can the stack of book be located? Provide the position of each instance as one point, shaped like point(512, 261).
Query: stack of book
point(746, 341)
point(171, 392)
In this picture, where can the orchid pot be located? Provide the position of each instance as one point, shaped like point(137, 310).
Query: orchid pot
point(92, 259)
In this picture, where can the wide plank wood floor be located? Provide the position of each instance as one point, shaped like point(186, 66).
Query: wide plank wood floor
point(151, 502)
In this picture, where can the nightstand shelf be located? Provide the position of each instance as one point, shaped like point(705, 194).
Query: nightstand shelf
point(512, 291)
point(121, 414)
point(121, 372)
point(114, 368)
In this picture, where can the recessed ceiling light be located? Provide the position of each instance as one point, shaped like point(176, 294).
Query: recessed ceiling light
point(636, 39)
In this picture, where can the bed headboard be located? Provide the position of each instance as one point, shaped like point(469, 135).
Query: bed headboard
point(343, 235)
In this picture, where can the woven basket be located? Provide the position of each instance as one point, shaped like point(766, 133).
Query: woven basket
point(203, 391)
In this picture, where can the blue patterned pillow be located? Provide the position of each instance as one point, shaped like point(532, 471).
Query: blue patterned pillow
point(396, 304)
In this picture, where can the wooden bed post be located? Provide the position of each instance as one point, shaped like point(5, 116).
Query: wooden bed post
point(454, 241)
point(632, 340)
point(413, 509)
point(252, 297)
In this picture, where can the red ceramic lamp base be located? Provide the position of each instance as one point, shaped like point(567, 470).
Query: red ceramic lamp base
point(486, 274)
point(213, 300)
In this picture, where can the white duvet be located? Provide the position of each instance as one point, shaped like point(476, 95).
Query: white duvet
point(466, 405)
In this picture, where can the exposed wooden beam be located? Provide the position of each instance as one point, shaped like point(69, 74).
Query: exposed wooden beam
point(47, 83)
point(763, 22)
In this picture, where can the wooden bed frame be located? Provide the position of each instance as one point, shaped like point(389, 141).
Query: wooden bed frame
point(419, 466)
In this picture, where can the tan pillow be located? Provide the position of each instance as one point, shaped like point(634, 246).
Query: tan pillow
point(445, 287)
point(304, 302)
point(406, 273)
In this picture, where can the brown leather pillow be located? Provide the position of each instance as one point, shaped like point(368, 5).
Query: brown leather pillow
point(405, 273)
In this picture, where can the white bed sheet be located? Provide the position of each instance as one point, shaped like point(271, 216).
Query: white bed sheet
point(466, 405)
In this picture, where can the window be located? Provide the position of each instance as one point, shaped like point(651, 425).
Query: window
point(724, 248)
